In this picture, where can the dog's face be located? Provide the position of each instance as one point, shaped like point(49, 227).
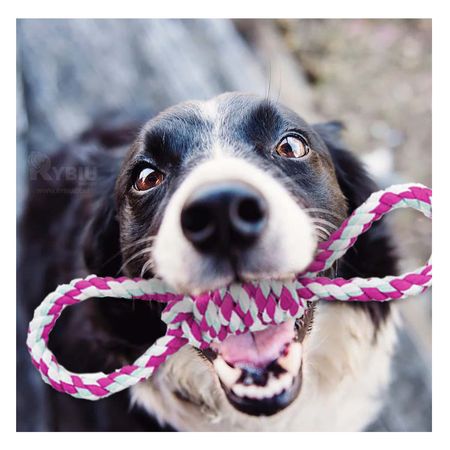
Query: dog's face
point(234, 189)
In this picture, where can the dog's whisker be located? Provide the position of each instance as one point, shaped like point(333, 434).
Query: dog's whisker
point(322, 230)
point(321, 237)
point(147, 266)
point(324, 211)
point(318, 220)
point(135, 255)
point(321, 233)
point(139, 241)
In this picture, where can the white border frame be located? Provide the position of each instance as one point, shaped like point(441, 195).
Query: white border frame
point(233, 8)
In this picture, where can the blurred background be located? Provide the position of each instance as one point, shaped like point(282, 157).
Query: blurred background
point(374, 75)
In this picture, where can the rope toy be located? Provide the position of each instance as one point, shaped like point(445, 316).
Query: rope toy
point(238, 308)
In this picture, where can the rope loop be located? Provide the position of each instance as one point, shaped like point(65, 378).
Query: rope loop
point(210, 317)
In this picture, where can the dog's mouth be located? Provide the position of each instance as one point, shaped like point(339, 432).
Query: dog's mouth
point(261, 372)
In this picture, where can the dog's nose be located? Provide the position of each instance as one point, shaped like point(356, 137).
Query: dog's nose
point(224, 216)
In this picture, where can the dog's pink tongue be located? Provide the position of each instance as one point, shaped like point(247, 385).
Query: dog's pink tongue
point(257, 348)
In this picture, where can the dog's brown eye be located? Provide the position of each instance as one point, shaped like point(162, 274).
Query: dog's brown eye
point(292, 147)
point(148, 178)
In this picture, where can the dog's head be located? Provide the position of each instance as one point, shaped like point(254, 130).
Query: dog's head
point(234, 189)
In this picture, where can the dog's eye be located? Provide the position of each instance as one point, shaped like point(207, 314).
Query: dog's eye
point(292, 147)
point(148, 178)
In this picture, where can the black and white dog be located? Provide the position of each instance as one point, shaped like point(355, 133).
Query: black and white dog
point(235, 188)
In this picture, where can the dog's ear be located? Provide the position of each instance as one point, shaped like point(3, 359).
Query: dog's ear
point(102, 237)
point(353, 178)
point(373, 253)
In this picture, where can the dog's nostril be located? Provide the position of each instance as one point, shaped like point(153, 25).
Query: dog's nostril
point(250, 210)
point(197, 223)
point(196, 219)
point(247, 218)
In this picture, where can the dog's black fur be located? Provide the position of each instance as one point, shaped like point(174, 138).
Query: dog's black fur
point(70, 228)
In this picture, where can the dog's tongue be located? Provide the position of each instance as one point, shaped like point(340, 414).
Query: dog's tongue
point(258, 348)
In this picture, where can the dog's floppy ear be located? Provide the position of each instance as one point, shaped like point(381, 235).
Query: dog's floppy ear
point(102, 237)
point(354, 181)
point(372, 255)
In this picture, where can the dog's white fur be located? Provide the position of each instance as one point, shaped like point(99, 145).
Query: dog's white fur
point(344, 374)
point(286, 247)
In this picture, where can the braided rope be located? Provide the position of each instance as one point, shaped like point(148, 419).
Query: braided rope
point(238, 308)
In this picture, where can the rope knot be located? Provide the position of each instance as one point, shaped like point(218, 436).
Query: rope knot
point(237, 309)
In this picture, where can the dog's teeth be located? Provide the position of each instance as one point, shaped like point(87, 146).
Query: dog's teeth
point(286, 381)
point(276, 383)
point(227, 374)
point(251, 391)
point(293, 359)
point(273, 387)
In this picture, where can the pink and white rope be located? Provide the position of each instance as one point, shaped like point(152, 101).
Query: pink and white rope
point(238, 308)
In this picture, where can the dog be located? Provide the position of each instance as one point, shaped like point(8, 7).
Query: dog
point(237, 188)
